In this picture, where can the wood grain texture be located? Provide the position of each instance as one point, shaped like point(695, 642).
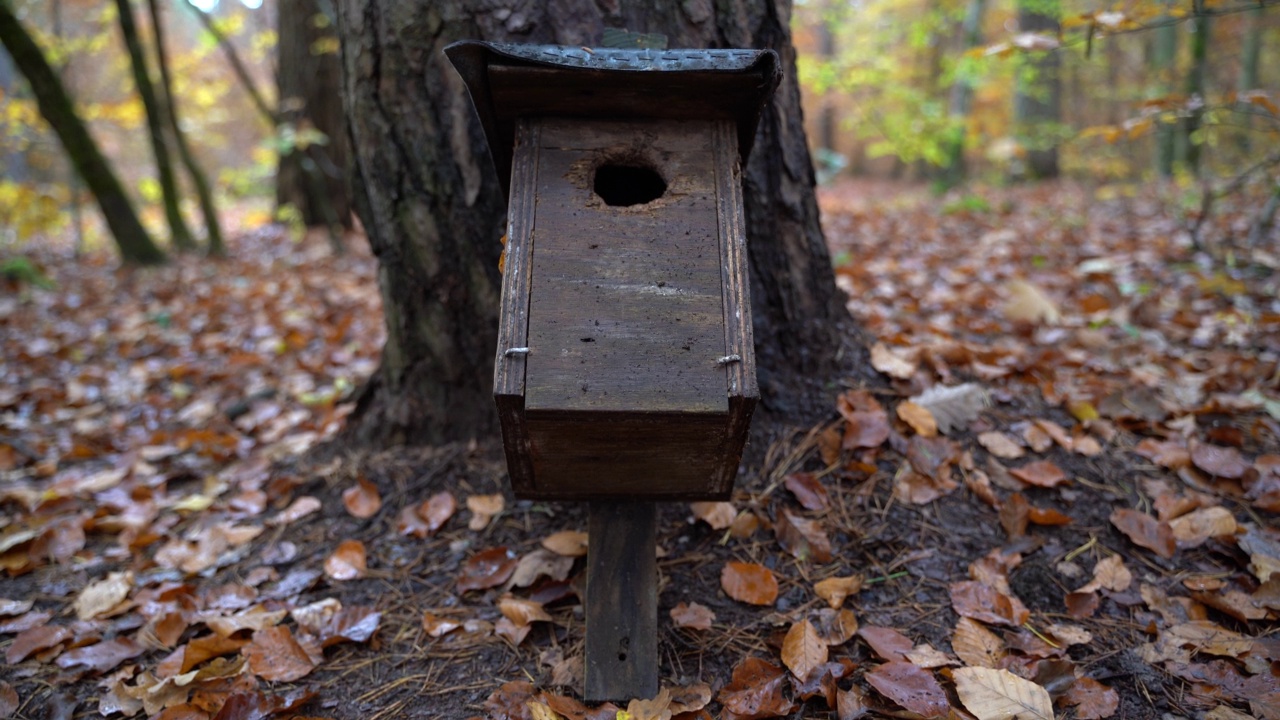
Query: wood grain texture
point(513, 325)
point(625, 308)
point(622, 602)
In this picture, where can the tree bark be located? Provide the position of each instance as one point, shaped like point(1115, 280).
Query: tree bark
point(1190, 145)
point(313, 177)
point(431, 203)
point(179, 232)
point(136, 247)
point(961, 99)
point(1037, 106)
point(166, 99)
point(1164, 61)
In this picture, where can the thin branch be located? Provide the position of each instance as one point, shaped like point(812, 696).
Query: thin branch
point(236, 64)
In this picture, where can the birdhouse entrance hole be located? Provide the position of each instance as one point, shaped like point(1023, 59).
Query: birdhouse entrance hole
point(624, 185)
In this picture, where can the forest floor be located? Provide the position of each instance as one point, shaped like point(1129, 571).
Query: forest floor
point(1060, 500)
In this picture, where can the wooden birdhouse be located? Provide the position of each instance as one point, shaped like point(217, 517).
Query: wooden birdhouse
point(624, 363)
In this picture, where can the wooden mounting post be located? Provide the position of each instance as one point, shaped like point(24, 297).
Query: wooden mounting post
point(622, 601)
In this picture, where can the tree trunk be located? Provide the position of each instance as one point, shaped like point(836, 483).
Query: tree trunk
point(313, 177)
point(1250, 55)
point(1190, 145)
point(431, 204)
point(961, 99)
point(1036, 106)
point(170, 104)
point(1164, 64)
point(156, 121)
point(136, 247)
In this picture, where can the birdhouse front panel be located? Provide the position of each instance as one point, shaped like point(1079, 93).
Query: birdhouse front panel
point(626, 312)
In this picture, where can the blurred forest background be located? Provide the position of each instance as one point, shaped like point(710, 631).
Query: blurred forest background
point(231, 109)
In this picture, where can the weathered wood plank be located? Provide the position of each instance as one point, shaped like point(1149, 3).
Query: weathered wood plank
point(510, 365)
point(622, 602)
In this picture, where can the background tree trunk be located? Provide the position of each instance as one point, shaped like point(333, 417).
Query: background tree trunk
point(1037, 112)
point(1189, 145)
point(135, 245)
point(156, 122)
point(204, 193)
point(312, 178)
point(1164, 66)
point(430, 201)
point(961, 99)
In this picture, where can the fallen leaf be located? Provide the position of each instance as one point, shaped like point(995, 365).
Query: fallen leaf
point(1092, 699)
point(1001, 445)
point(808, 490)
point(274, 655)
point(656, 708)
point(755, 691)
point(487, 569)
point(1041, 473)
point(1221, 461)
point(851, 704)
point(437, 626)
point(835, 627)
point(347, 561)
point(866, 423)
point(974, 644)
point(100, 657)
point(522, 612)
point(918, 417)
point(749, 583)
point(951, 408)
point(1168, 454)
point(719, 515)
point(1028, 303)
point(297, 510)
point(911, 687)
point(690, 699)
point(803, 650)
point(103, 596)
point(978, 601)
point(483, 509)
point(436, 511)
point(1194, 528)
point(928, 657)
point(995, 694)
point(887, 642)
point(202, 649)
point(14, 607)
point(362, 499)
point(540, 563)
point(693, 616)
point(803, 538)
point(1047, 516)
point(509, 702)
point(1145, 531)
point(835, 589)
point(1109, 574)
point(1014, 515)
point(891, 362)
point(9, 701)
point(569, 543)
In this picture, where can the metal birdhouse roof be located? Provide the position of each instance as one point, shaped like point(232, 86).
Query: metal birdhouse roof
point(507, 81)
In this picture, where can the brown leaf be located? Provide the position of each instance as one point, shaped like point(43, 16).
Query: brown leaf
point(835, 627)
point(522, 612)
point(509, 701)
point(362, 499)
point(1014, 515)
point(101, 657)
point(719, 515)
point(802, 538)
point(274, 655)
point(851, 704)
point(1047, 516)
point(436, 510)
point(1041, 473)
point(487, 569)
point(656, 708)
point(972, 599)
point(408, 522)
point(1145, 531)
point(9, 701)
point(997, 694)
point(866, 423)
point(103, 596)
point(835, 589)
point(755, 691)
point(919, 418)
point(1165, 453)
point(1081, 605)
point(1001, 445)
point(1195, 528)
point(437, 626)
point(803, 650)
point(1221, 461)
point(483, 508)
point(976, 645)
point(202, 649)
point(887, 642)
point(911, 687)
point(347, 561)
point(690, 699)
point(1109, 574)
point(354, 623)
point(14, 607)
point(749, 583)
point(892, 362)
point(1092, 699)
point(299, 509)
point(540, 563)
point(809, 491)
point(693, 616)
point(569, 543)
point(37, 639)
